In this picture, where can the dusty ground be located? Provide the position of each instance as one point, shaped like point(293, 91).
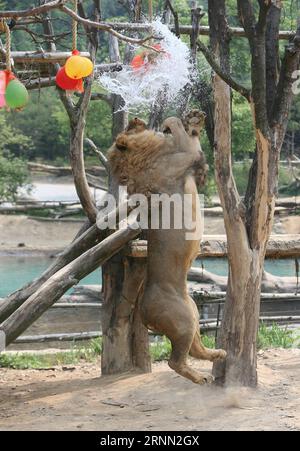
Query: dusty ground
point(36, 235)
point(291, 225)
point(77, 399)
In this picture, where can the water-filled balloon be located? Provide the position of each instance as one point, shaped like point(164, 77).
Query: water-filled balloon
point(16, 95)
point(67, 83)
point(78, 66)
point(2, 89)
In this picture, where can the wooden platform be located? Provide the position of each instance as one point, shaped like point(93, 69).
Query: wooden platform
point(215, 246)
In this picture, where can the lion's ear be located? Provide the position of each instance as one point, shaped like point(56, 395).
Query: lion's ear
point(121, 143)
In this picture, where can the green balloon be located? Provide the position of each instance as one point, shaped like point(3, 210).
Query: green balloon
point(16, 95)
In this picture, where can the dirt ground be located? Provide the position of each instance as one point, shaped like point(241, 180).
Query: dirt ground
point(76, 398)
point(35, 235)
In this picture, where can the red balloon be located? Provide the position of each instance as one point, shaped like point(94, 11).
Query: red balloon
point(141, 60)
point(67, 83)
point(138, 61)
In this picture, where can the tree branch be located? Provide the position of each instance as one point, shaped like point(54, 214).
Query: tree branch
point(176, 19)
point(222, 74)
point(101, 96)
point(106, 27)
point(100, 154)
point(284, 94)
point(33, 11)
point(88, 24)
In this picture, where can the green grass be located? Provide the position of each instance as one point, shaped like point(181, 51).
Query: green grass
point(276, 337)
point(268, 337)
point(90, 352)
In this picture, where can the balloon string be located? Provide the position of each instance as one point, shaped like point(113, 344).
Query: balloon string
point(8, 46)
point(75, 26)
point(150, 10)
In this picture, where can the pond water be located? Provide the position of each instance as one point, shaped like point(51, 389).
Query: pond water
point(15, 272)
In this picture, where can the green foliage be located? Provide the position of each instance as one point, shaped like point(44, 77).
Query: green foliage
point(87, 353)
point(160, 349)
point(275, 337)
point(241, 172)
point(243, 137)
point(268, 337)
point(45, 123)
point(13, 175)
point(13, 171)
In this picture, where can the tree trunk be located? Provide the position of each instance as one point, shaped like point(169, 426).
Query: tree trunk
point(241, 321)
point(249, 223)
point(125, 339)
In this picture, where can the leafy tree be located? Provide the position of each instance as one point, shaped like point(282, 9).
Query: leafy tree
point(13, 171)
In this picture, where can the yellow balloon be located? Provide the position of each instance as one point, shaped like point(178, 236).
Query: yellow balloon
point(78, 67)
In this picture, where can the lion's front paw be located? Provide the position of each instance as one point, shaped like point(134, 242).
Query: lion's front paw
point(205, 379)
point(194, 122)
point(136, 125)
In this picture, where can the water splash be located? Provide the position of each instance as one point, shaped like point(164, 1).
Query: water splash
point(166, 77)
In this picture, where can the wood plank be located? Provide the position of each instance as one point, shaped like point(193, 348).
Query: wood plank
point(187, 29)
point(215, 246)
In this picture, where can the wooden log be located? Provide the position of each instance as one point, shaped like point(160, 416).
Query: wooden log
point(48, 81)
point(188, 29)
point(269, 283)
point(81, 244)
point(41, 57)
point(95, 182)
point(219, 297)
point(208, 324)
point(83, 336)
point(39, 206)
point(279, 247)
point(75, 305)
point(57, 285)
point(61, 171)
point(282, 209)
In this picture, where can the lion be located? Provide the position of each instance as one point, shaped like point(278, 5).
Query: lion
point(170, 162)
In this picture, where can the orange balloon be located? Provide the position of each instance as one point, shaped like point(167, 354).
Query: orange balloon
point(78, 66)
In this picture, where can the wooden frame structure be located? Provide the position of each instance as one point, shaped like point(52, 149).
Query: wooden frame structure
point(39, 295)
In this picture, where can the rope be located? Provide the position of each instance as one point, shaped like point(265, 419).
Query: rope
point(8, 46)
point(2, 26)
point(75, 26)
point(151, 10)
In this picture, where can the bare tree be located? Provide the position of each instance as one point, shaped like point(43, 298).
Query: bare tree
point(249, 222)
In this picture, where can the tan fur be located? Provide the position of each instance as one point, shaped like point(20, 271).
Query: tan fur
point(149, 162)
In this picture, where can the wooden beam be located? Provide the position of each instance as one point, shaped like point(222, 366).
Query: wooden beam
point(58, 284)
point(61, 171)
point(279, 246)
point(187, 29)
point(40, 57)
point(80, 336)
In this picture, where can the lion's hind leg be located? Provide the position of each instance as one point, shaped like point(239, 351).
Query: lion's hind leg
point(178, 361)
point(199, 351)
